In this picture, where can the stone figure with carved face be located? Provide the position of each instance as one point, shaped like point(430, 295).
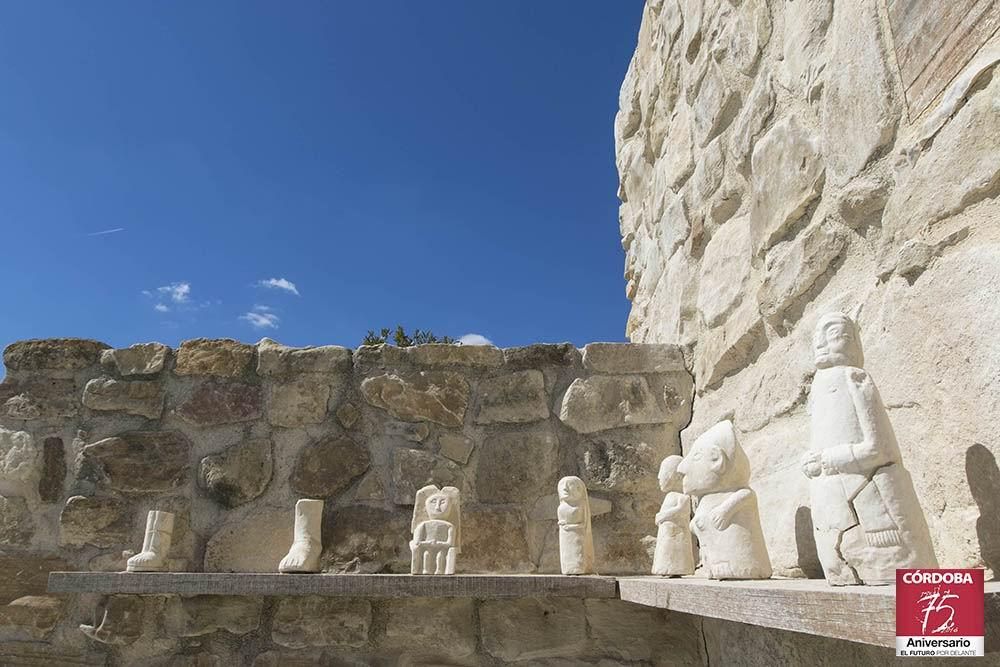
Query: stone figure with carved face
point(727, 522)
point(674, 553)
point(576, 539)
point(437, 531)
point(865, 513)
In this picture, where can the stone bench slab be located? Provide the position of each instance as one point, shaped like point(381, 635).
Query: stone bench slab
point(343, 585)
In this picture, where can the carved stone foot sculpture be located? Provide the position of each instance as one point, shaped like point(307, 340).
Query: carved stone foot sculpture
point(306, 544)
point(155, 545)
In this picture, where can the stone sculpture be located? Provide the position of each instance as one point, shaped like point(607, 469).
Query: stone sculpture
point(155, 544)
point(727, 522)
point(307, 542)
point(865, 513)
point(437, 530)
point(576, 539)
point(674, 553)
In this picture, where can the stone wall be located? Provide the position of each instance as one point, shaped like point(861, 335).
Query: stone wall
point(770, 171)
point(228, 435)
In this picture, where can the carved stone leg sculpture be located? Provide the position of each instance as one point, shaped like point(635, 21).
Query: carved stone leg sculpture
point(155, 545)
point(306, 545)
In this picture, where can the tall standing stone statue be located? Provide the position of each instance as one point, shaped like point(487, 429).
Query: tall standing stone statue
point(865, 513)
point(307, 544)
point(437, 530)
point(155, 544)
point(727, 522)
point(576, 539)
point(674, 554)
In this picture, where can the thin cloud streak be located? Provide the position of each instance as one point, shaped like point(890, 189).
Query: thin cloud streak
point(279, 283)
point(103, 232)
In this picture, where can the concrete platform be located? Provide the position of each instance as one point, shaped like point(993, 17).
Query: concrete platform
point(865, 614)
point(344, 585)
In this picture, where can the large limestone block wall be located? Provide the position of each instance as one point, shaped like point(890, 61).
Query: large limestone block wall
point(771, 169)
point(228, 436)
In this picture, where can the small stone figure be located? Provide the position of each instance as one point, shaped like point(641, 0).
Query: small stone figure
point(865, 513)
point(155, 544)
point(727, 523)
point(576, 539)
point(307, 542)
point(437, 530)
point(674, 554)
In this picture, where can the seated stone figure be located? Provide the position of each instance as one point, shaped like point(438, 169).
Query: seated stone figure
point(437, 530)
point(727, 522)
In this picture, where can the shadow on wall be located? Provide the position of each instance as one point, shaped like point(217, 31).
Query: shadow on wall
point(805, 544)
point(984, 482)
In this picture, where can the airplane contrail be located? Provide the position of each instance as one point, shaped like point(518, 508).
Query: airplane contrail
point(106, 231)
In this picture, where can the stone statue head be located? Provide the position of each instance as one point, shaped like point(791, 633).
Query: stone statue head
point(716, 462)
point(438, 506)
point(572, 490)
point(836, 342)
point(669, 478)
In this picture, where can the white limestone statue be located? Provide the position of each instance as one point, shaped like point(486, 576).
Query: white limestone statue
point(674, 553)
point(155, 544)
point(727, 522)
point(576, 539)
point(437, 530)
point(307, 544)
point(865, 513)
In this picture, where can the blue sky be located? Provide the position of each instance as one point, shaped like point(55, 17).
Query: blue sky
point(310, 170)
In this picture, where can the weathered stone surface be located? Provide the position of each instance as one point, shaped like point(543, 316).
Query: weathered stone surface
point(859, 109)
point(631, 632)
point(407, 430)
point(413, 469)
point(275, 359)
point(752, 118)
point(50, 486)
point(301, 622)
point(328, 467)
point(222, 357)
point(530, 628)
point(135, 398)
point(198, 615)
point(237, 546)
point(725, 269)
point(32, 617)
point(540, 356)
point(619, 464)
point(38, 397)
point(141, 461)
point(516, 467)
point(52, 355)
point(804, 60)
point(348, 415)
point(787, 176)
point(365, 539)
point(437, 396)
point(744, 36)
point(20, 459)
point(238, 474)
point(298, 402)
point(794, 268)
point(118, 621)
point(716, 105)
point(456, 447)
point(861, 201)
point(518, 397)
point(604, 402)
point(141, 359)
point(627, 358)
point(444, 354)
point(431, 633)
point(707, 176)
point(100, 521)
point(493, 540)
point(20, 576)
point(221, 403)
point(16, 524)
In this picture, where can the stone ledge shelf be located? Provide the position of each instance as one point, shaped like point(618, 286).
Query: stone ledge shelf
point(342, 585)
point(865, 614)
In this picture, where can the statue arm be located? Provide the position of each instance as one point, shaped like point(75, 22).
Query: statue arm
point(673, 509)
point(723, 514)
point(860, 457)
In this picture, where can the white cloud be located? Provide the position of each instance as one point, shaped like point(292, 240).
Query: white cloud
point(261, 317)
point(176, 292)
point(107, 231)
point(280, 283)
point(161, 308)
point(474, 339)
